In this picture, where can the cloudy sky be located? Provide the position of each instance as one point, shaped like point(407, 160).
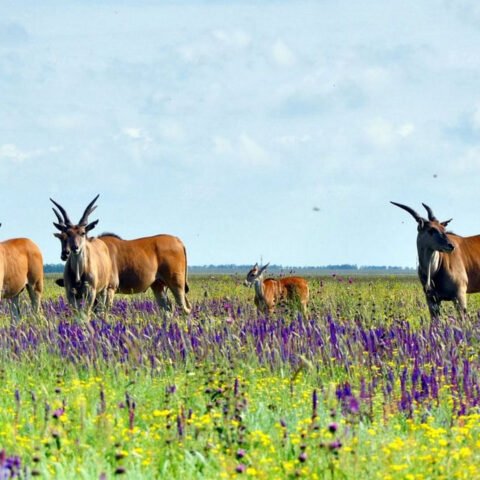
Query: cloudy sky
point(274, 129)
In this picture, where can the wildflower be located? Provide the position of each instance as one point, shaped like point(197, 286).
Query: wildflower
point(333, 427)
point(240, 453)
point(241, 468)
point(335, 445)
point(58, 413)
point(302, 457)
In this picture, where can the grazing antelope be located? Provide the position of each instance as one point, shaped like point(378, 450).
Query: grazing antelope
point(158, 262)
point(21, 265)
point(88, 270)
point(269, 292)
point(448, 264)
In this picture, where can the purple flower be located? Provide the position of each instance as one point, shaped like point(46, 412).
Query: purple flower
point(240, 453)
point(333, 427)
point(241, 468)
point(58, 413)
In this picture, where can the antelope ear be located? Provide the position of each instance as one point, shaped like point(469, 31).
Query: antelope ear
point(421, 224)
point(446, 222)
point(58, 235)
point(91, 226)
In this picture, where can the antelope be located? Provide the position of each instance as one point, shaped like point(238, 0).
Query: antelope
point(157, 262)
point(448, 264)
point(88, 270)
point(21, 265)
point(269, 292)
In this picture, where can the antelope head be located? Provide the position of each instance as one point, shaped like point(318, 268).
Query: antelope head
point(432, 234)
point(254, 274)
point(73, 237)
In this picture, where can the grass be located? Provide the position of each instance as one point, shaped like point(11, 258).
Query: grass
point(365, 387)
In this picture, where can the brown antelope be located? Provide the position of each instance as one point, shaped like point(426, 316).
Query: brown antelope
point(269, 292)
point(88, 270)
point(158, 262)
point(448, 264)
point(21, 265)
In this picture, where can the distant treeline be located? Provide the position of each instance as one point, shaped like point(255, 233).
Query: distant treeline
point(277, 269)
point(309, 270)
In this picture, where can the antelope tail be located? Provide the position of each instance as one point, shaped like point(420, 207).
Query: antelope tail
point(187, 288)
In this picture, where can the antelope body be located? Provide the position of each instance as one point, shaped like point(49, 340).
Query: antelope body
point(270, 292)
point(157, 262)
point(448, 264)
point(21, 265)
point(87, 274)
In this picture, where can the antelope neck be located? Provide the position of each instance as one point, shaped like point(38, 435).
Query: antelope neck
point(77, 264)
point(258, 285)
point(429, 262)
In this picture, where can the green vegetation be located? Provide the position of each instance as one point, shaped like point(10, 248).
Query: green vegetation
point(365, 387)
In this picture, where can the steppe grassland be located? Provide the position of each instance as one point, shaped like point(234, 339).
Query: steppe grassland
point(365, 387)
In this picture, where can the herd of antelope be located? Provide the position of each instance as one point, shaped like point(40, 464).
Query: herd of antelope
point(97, 268)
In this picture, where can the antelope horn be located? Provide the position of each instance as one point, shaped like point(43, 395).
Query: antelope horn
point(431, 216)
point(59, 218)
point(411, 211)
point(90, 208)
point(66, 221)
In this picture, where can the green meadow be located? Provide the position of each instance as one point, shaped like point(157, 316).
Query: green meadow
point(366, 386)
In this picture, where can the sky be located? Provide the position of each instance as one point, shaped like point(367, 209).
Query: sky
point(269, 130)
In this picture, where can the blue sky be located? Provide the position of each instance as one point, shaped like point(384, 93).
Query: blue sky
point(276, 130)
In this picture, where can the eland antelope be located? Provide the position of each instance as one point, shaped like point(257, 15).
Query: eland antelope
point(269, 292)
point(448, 264)
point(157, 262)
point(87, 274)
point(21, 266)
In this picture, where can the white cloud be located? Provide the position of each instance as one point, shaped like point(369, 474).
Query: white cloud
point(132, 132)
point(218, 43)
point(236, 38)
point(244, 150)
point(172, 131)
point(291, 140)
point(405, 130)
point(476, 118)
point(468, 162)
point(282, 54)
point(384, 134)
point(253, 153)
point(13, 153)
point(222, 145)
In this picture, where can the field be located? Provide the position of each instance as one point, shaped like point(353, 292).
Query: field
point(365, 387)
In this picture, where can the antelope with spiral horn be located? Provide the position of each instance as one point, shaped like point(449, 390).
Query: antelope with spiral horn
point(448, 264)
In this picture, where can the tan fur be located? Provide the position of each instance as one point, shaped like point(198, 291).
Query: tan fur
point(449, 265)
point(88, 276)
point(21, 265)
point(270, 292)
point(156, 262)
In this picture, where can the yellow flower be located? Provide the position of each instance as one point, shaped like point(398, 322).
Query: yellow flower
point(161, 413)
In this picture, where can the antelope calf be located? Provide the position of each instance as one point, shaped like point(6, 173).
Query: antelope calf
point(21, 265)
point(88, 271)
point(270, 292)
point(448, 264)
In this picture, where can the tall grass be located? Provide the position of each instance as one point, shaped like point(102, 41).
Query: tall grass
point(365, 386)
